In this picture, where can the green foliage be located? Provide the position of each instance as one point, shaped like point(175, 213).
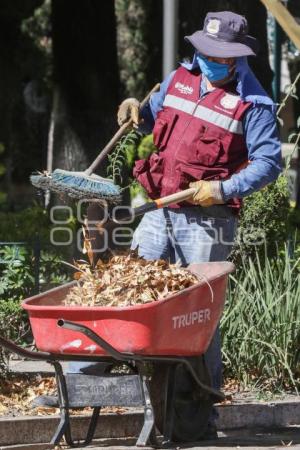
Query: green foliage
point(129, 149)
point(17, 282)
point(13, 326)
point(138, 194)
point(37, 25)
point(146, 147)
point(17, 276)
point(26, 224)
point(141, 148)
point(22, 225)
point(131, 152)
point(17, 265)
point(52, 271)
point(264, 220)
point(261, 323)
point(122, 154)
point(37, 28)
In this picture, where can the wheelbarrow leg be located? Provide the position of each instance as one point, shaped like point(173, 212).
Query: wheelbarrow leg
point(147, 433)
point(169, 405)
point(63, 425)
point(90, 432)
point(92, 426)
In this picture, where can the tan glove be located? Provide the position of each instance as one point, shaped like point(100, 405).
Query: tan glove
point(208, 193)
point(129, 109)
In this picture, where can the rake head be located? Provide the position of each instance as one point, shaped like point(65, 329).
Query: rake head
point(78, 185)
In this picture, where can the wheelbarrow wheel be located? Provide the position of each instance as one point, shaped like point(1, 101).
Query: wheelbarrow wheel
point(192, 405)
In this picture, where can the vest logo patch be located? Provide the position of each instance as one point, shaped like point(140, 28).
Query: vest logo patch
point(213, 26)
point(229, 101)
point(183, 88)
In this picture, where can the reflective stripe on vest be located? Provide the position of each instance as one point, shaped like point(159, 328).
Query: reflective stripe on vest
point(201, 112)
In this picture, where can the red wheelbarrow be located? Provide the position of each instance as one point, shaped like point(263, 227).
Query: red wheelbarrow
point(172, 334)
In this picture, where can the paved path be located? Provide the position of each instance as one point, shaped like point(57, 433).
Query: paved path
point(241, 439)
point(32, 367)
point(238, 439)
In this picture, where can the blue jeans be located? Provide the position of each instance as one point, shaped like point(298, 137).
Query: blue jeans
point(188, 235)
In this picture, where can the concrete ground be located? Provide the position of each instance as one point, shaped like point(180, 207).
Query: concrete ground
point(254, 425)
point(242, 439)
point(254, 439)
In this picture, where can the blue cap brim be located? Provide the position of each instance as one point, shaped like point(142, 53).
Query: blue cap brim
point(212, 46)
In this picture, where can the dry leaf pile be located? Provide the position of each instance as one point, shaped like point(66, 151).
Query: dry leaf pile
point(127, 280)
point(17, 394)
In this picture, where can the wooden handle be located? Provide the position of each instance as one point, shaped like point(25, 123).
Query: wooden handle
point(175, 198)
point(285, 19)
point(123, 215)
point(121, 131)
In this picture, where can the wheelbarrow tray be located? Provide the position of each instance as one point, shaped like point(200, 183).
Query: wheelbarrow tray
point(181, 324)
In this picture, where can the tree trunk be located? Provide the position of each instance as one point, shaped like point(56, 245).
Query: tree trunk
point(21, 131)
point(86, 73)
point(294, 67)
point(139, 31)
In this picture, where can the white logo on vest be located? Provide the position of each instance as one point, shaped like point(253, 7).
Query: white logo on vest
point(184, 89)
point(213, 26)
point(229, 101)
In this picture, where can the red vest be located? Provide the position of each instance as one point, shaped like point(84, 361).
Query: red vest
point(198, 138)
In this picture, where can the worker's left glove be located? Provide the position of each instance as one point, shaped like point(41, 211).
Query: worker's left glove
point(129, 109)
point(208, 193)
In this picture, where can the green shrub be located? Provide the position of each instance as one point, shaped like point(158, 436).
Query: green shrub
point(17, 265)
point(13, 326)
point(17, 273)
point(30, 223)
point(141, 150)
point(23, 225)
point(138, 194)
point(264, 220)
point(261, 322)
point(17, 282)
point(146, 147)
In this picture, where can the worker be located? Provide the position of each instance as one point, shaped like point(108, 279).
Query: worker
point(215, 130)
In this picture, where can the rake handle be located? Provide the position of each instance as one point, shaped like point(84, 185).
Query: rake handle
point(121, 131)
point(155, 204)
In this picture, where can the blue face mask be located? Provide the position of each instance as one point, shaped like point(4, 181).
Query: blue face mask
point(212, 70)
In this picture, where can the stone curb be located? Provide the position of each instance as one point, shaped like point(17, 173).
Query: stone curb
point(28, 447)
point(39, 429)
point(277, 414)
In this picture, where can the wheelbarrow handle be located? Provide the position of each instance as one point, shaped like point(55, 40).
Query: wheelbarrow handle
point(132, 357)
point(97, 339)
point(14, 348)
point(43, 356)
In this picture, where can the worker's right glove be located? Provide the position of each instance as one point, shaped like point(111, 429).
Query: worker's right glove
point(129, 109)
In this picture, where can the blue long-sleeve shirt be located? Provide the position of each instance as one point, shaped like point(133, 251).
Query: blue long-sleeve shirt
point(261, 137)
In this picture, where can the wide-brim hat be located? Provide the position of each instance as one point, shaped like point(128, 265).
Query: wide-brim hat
point(224, 35)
